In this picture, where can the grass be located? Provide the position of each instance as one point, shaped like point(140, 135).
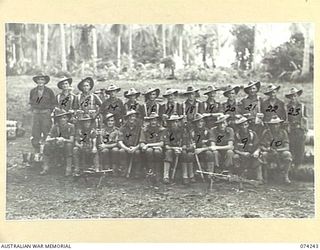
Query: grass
point(18, 88)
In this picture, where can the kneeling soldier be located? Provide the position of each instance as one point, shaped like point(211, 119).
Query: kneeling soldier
point(151, 142)
point(247, 149)
point(85, 150)
point(60, 138)
point(222, 139)
point(201, 137)
point(174, 139)
point(275, 147)
point(129, 136)
point(107, 142)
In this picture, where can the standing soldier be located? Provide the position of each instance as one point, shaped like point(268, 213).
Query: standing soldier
point(42, 101)
point(60, 140)
point(171, 107)
point(201, 137)
point(65, 99)
point(132, 103)
point(251, 106)
point(173, 141)
point(151, 143)
point(130, 153)
point(231, 107)
point(275, 147)
point(222, 142)
point(86, 101)
point(107, 141)
point(273, 106)
point(246, 149)
point(298, 126)
point(191, 106)
point(85, 149)
point(151, 104)
point(211, 106)
point(113, 105)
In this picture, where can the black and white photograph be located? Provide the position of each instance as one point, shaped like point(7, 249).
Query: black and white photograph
point(207, 120)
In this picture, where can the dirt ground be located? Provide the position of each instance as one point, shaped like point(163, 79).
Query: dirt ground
point(31, 196)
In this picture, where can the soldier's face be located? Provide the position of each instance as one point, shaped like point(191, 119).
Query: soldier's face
point(244, 126)
point(65, 86)
point(132, 98)
point(132, 119)
point(41, 81)
point(253, 90)
point(86, 87)
point(212, 94)
point(273, 94)
point(294, 97)
point(170, 98)
point(153, 122)
point(63, 120)
point(200, 123)
point(86, 124)
point(223, 125)
point(112, 94)
point(175, 124)
point(191, 96)
point(232, 95)
point(153, 96)
point(110, 122)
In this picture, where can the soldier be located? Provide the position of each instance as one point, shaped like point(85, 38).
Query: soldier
point(210, 106)
point(191, 106)
point(129, 136)
point(113, 105)
point(42, 101)
point(202, 138)
point(132, 104)
point(151, 143)
point(171, 107)
point(222, 142)
point(298, 126)
point(150, 105)
point(65, 99)
point(107, 141)
point(272, 105)
point(86, 101)
point(85, 149)
point(60, 140)
point(274, 145)
point(251, 106)
point(231, 107)
point(173, 141)
point(246, 149)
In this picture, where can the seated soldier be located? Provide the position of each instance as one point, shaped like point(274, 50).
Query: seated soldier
point(130, 153)
point(201, 137)
point(85, 150)
point(222, 139)
point(107, 142)
point(59, 140)
point(275, 147)
point(246, 149)
point(173, 141)
point(151, 143)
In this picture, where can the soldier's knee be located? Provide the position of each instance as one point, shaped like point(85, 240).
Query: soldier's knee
point(230, 153)
point(236, 157)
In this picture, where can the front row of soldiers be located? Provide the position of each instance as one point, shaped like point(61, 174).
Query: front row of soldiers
point(138, 150)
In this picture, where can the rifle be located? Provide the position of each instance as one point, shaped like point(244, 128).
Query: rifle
point(212, 148)
point(90, 172)
point(231, 178)
point(199, 166)
point(175, 167)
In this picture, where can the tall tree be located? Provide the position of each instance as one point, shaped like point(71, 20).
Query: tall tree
point(45, 43)
point(39, 45)
point(94, 48)
point(130, 46)
point(63, 48)
point(306, 51)
point(116, 30)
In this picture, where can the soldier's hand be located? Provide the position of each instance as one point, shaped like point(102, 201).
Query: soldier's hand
point(94, 150)
point(246, 154)
point(165, 116)
point(255, 154)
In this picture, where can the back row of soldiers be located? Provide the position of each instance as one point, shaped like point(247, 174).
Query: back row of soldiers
point(92, 128)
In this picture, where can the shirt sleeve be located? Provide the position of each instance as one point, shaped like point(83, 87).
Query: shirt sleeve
point(264, 139)
point(142, 137)
point(72, 130)
point(213, 136)
point(230, 134)
point(97, 100)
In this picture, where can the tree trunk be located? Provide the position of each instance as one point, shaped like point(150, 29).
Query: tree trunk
point(306, 52)
point(94, 48)
point(63, 48)
point(130, 46)
point(180, 48)
point(119, 51)
point(164, 41)
point(45, 43)
point(39, 46)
